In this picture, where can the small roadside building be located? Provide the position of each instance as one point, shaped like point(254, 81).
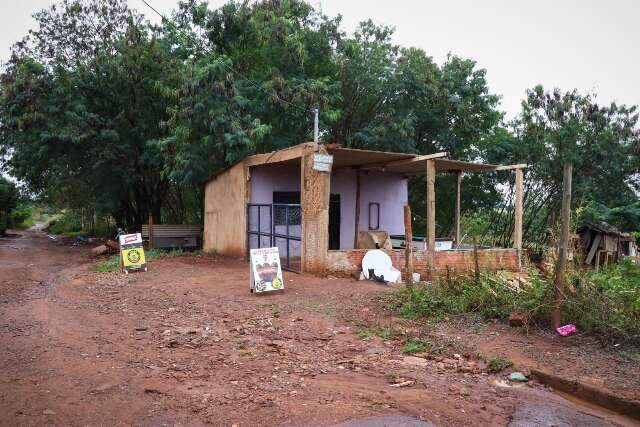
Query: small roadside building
point(321, 204)
point(602, 244)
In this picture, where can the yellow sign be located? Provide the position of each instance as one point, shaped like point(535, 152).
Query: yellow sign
point(133, 257)
point(132, 252)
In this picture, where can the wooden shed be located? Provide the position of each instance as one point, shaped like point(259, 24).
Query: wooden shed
point(315, 201)
point(602, 244)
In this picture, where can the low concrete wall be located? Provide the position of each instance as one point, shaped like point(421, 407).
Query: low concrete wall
point(350, 261)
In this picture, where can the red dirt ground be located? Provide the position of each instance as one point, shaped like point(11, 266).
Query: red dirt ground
point(187, 344)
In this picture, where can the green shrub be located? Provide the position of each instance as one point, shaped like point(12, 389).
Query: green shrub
point(498, 364)
point(22, 217)
point(67, 222)
point(607, 302)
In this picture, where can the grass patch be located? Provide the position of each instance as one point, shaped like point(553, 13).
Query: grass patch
point(632, 355)
point(414, 346)
point(327, 310)
point(113, 263)
point(109, 265)
point(388, 332)
point(498, 364)
point(364, 333)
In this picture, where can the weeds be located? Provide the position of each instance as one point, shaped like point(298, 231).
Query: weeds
point(392, 376)
point(364, 333)
point(387, 332)
point(498, 364)
point(492, 297)
point(414, 346)
point(605, 303)
point(327, 310)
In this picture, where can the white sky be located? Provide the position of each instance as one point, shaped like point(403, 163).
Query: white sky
point(592, 45)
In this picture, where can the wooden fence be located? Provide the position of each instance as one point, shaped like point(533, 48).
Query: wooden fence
point(172, 235)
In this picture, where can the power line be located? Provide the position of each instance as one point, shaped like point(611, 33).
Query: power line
point(231, 69)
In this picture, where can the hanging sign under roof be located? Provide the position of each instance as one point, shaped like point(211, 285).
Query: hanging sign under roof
point(322, 162)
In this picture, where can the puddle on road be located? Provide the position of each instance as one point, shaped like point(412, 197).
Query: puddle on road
point(555, 408)
point(385, 421)
point(598, 411)
point(541, 414)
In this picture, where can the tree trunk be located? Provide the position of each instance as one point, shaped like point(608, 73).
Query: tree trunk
point(563, 245)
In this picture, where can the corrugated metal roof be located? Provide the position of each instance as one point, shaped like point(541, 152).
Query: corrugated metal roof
point(401, 163)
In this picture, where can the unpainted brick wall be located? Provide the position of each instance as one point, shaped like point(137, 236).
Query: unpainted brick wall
point(350, 261)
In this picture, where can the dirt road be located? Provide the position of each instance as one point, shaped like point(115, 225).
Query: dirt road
point(187, 344)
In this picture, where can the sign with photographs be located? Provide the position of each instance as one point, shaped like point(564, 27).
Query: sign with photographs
point(265, 270)
point(132, 252)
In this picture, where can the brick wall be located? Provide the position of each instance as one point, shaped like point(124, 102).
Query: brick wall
point(350, 261)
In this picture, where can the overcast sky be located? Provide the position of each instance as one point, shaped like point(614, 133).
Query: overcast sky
point(590, 45)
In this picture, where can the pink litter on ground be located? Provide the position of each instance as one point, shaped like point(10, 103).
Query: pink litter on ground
point(567, 330)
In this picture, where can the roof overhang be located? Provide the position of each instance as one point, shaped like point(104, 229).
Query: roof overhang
point(406, 163)
point(383, 161)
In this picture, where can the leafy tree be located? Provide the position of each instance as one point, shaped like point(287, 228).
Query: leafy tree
point(83, 134)
point(555, 127)
point(102, 112)
point(8, 202)
point(72, 32)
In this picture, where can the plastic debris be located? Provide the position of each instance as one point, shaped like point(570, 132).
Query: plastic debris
point(567, 330)
point(403, 384)
point(518, 377)
point(377, 265)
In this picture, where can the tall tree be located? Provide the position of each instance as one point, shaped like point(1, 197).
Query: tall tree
point(557, 127)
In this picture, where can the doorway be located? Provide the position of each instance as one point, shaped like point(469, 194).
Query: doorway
point(334, 221)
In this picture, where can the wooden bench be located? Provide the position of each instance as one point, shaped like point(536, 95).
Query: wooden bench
point(172, 235)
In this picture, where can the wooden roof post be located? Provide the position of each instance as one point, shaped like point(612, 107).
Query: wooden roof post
point(458, 183)
point(431, 216)
point(357, 219)
point(408, 245)
point(517, 232)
